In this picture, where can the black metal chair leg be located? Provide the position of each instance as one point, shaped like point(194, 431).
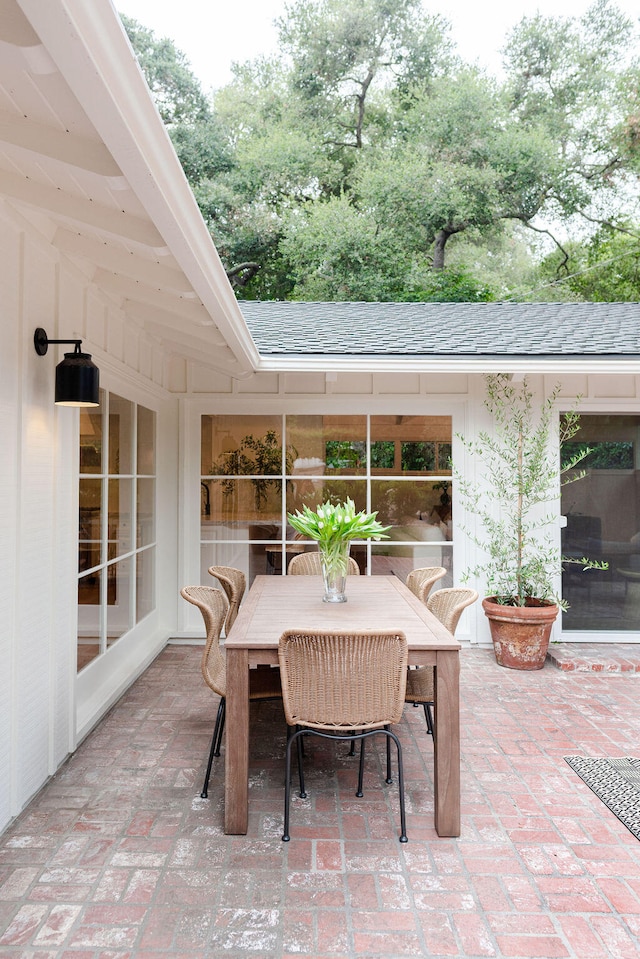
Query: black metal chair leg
point(359, 793)
point(215, 746)
point(287, 787)
point(403, 818)
point(222, 714)
point(388, 780)
point(429, 717)
point(300, 744)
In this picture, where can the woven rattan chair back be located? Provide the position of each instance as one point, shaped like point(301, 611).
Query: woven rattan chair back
point(213, 606)
point(308, 564)
point(420, 581)
point(345, 685)
point(447, 604)
point(234, 583)
point(263, 683)
point(343, 681)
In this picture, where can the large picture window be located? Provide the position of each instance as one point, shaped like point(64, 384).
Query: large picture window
point(116, 536)
point(255, 469)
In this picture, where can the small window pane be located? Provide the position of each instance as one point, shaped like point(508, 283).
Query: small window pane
point(90, 524)
point(245, 500)
point(387, 559)
point(120, 505)
point(120, 435)
point(241, 445)
point(145, 583)
point(88, 618)
point(416, 509)
point(146, 532)
point(91, 446)
point(328, 444)
point(334, 490)
point(119, 619)
point(146, 442)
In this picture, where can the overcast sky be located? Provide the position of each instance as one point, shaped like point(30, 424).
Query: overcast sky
point(213, 33)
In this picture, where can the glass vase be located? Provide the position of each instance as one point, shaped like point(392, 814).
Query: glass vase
point(335, 562)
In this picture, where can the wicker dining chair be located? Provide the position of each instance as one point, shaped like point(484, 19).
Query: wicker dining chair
point(447, 606)
point(308, 564)
point(345, 686)
point(234, 583)
point(263, 683)
point(420, 581)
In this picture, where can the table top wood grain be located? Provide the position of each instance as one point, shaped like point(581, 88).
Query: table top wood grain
point(277, 603)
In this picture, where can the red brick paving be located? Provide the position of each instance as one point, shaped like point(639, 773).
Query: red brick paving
point(119, 858)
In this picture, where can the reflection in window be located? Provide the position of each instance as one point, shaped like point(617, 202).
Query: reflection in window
point(602, 511)
point(116, 529)
point(398, 465)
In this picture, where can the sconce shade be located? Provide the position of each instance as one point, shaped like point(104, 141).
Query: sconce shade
point(77, 378)
point(77, 381)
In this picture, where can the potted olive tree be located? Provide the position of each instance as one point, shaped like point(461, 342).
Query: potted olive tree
point(516, 523)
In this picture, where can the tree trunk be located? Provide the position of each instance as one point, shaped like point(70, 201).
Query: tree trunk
point(438, 249)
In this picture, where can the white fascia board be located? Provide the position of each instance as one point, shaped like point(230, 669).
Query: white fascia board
point(87, 42)
point(449, 364)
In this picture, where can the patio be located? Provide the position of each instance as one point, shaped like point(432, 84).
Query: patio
point(118, 856)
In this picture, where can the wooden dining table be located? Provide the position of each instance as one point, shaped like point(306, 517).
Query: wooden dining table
point(277, 603)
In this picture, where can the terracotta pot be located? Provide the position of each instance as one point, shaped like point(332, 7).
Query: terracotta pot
point(520, 634)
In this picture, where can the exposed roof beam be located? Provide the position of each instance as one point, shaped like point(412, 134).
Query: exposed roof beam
point(89, 46)
point(70, 207)
point(190, 310)
point(149, 272)
point(91, 155)
point(164, 321)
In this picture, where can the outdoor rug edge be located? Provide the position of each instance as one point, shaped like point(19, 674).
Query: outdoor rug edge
point(616, 782)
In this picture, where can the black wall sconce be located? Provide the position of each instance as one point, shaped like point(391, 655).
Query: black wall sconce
point(77, 378)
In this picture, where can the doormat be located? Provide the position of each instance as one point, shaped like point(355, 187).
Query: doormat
point(616, 782)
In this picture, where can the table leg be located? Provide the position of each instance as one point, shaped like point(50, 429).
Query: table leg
point(236, 782)
point(447, 744)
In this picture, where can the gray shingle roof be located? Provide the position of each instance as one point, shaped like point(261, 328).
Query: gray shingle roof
point(439, 329)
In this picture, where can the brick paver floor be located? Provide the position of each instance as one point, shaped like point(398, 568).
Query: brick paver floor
point(119, 857)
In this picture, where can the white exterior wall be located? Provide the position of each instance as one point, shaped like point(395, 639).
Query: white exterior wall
point(39, 690)
point(458, 395)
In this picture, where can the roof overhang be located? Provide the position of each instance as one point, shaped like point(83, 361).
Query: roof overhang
point(445, 363)
point(85, 156)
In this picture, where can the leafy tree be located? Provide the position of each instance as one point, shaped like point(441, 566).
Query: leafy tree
point(368, 162)
point(604, 269)
point(176, 91)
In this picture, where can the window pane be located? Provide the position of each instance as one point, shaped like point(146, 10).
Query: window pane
point(390, 560)
point(244, 501)
point(241, 445)
point(299, 493)
point(603, 522)
point(120, 503)
point(91, 446)
point(145, 512)
point(421, 444)
point(145, 583)
point(120, 434)
point(90, 524)
point(415, 509)
point(119, 619)
point(251, 559)
point(146, 442)
point(88, 618)
point(327, 444)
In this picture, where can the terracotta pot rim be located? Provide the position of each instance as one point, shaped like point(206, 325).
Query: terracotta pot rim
point(534, 604)
point(545, 612)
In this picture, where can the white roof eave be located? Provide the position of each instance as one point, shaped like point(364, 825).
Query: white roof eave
point(86, 41)
point(284, 363)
